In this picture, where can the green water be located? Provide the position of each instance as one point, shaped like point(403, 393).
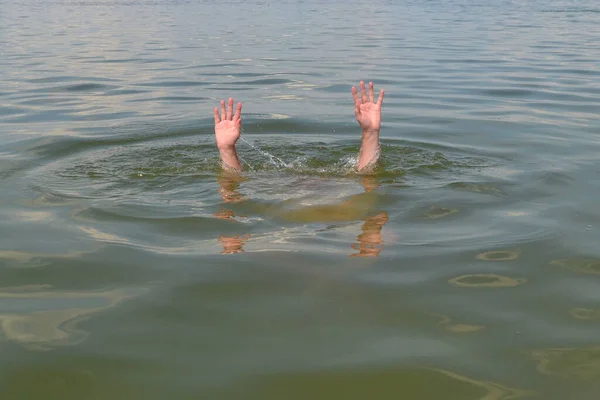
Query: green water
point(466, 267)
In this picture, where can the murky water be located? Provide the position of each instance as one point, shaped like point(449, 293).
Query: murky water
point(466, 267)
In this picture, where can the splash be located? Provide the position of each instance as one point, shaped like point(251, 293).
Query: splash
point(151, 168)
point(276, 161)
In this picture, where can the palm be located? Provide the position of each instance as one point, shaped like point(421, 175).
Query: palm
point(367, 111)
point(369, 116)
point(227, 133)
point(228, 124)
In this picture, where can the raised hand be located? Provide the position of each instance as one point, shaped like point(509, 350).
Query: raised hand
point(227, 133)
point(368, 113)
point(228, 124)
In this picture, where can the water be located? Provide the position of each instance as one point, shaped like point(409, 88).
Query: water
point(466, 267)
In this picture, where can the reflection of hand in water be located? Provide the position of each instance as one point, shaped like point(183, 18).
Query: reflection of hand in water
point(369, 183)
point(224, 213)
point(370, 242)
point(229, 184)
point(228, 187)
point(233, 244)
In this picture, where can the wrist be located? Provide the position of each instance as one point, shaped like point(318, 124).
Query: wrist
point(229, 158)
point(370, 132)
point(370, 135)
point(229, 148)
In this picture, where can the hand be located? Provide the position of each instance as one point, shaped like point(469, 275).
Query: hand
point(228, 125)
point(368, 113)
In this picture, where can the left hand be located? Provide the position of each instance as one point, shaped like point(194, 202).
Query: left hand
point(228, 125)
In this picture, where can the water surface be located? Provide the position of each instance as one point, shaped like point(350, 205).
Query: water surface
point(466, 267)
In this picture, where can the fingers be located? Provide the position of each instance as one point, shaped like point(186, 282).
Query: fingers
point(363, 92)
point(238, 112)
point(237, 118)
point(356, 100)
point(226, 112)
point(230, 109)
point(371, 93)
point(380, 99)
point(217, 119)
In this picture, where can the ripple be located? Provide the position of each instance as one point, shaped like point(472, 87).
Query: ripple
point(446, 322)
point(103, 236)
point(421, 383)
point(506, 92)
point(168, 98)
point(482, 188)
point(45, 321)
point(172, 83)
point(68, 78)
point(6, 110)
point(463, 328)
point(266, 81)
point(35, 216)
point(116, 60)
point(584, 265)
point(486, 280)
point(75, 87)
point(284, 97)
point(435, 212)
point(34, 381)
point(84, 87)
point(585, 313)
point(97, 167)
point(499, 255)
point(32, 259)
point(571, 363)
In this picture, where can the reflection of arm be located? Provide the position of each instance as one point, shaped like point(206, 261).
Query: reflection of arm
point(369, 183)
point(233, 244)
point(370, 242)
point(229, 183)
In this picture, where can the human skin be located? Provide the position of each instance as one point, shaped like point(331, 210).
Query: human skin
point(368, 116)
point(227, 132)
point(228, 125)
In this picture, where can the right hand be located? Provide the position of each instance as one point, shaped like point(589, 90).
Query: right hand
point(228, 125)
point(368, 113)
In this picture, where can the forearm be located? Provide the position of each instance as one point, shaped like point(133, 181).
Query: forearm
point(369, 149)
point(230, 159)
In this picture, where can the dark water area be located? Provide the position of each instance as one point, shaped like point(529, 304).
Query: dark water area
point(466, 267)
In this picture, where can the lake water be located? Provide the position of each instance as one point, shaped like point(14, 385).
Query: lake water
point(467, 267)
